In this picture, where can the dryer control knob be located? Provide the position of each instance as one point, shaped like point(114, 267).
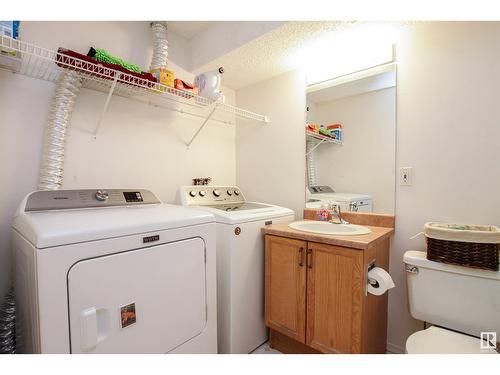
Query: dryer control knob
point(192, 193)
point(217, 193)
point(236, 192)
point(229, 192)
point(101, 195)
point(202, 193)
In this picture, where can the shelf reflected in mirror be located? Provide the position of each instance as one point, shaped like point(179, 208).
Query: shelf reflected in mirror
point(351, 141)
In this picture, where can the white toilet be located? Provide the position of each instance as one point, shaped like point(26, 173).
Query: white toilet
point(459, 302)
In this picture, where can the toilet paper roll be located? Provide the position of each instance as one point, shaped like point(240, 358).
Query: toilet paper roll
point(379, 281)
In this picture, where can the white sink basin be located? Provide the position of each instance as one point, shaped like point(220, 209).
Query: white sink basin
point(323, 227)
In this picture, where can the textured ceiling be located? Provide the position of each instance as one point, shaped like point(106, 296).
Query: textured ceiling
point(271, 54)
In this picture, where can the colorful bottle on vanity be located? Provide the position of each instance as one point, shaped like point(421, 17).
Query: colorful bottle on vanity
point(323, 213)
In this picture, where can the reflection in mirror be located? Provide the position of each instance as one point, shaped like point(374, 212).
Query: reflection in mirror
point(351, 141)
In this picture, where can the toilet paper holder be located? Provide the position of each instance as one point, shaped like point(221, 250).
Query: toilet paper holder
point(369, 280)
point(373, 282)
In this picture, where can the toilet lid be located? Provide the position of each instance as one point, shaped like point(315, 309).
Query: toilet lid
point(435, 340)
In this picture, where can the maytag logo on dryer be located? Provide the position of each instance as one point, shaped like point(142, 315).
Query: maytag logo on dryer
point(149, 239)
point(488, 340)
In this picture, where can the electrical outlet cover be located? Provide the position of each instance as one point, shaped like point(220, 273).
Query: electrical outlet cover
point(405, 176)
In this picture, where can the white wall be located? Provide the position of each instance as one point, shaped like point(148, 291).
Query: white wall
point(448, 130)
point(311, 112)
point(364, 163)
point(138, 145)
point(178, 50)
point(270, 158)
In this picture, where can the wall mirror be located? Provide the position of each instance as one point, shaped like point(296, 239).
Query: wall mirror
point(351, 141)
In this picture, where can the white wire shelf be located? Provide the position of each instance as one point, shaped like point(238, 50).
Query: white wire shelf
point(41, 63)
point(322, 138)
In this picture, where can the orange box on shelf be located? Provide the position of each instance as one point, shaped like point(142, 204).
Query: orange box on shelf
point(184, 86)
point(334, 126)
point(312, 128)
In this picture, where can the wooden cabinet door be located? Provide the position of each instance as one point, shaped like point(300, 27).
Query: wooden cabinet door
point(334, 298)
point(285, 284)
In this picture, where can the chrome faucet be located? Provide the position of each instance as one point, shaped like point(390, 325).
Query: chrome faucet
point(336, 212)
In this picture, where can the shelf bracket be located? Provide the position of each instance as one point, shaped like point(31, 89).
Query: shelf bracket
point(212, 111)
point(315, 146)
point(106, 103)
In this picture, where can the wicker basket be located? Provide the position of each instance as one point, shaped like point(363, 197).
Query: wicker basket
point(475, 246)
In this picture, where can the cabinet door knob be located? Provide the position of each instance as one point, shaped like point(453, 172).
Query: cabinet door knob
point(309, 258)
point(301, 257)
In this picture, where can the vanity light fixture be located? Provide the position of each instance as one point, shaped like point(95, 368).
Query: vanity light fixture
point(338, 53)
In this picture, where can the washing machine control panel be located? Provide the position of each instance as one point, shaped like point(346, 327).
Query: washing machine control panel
point(200, 195)
point(88, 198)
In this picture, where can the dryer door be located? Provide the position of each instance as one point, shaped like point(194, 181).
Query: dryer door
point(148, 300)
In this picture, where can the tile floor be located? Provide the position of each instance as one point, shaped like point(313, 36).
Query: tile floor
point(265, 349)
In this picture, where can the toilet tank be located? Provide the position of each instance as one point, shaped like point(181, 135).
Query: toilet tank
point(459, 298)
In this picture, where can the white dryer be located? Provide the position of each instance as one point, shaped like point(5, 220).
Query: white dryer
point(240, 261)
point(113, 271)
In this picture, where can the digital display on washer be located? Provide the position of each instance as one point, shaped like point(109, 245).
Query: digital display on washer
point(132, 196)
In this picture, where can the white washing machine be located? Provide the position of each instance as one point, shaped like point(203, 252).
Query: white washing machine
point(318, 195)
point(113, 271)
point(240, 262)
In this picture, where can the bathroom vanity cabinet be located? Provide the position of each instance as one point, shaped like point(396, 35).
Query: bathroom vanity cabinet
point(315, 292)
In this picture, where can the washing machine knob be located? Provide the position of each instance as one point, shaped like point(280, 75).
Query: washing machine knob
point(229, 192)
point(202, 193)
point(101, 195)
point(236, 192)
point(217, 193)
point(192, 193)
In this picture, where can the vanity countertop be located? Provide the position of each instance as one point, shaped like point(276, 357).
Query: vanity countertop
point(361, 242)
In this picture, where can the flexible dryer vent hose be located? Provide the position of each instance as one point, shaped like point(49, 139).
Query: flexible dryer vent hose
point(54, 145)
point(67, 89)
point(311, 163)
point(8, 324)
point(160, 45)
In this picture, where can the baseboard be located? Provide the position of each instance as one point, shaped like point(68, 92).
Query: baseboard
point(287, 345)
point(396, 349)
